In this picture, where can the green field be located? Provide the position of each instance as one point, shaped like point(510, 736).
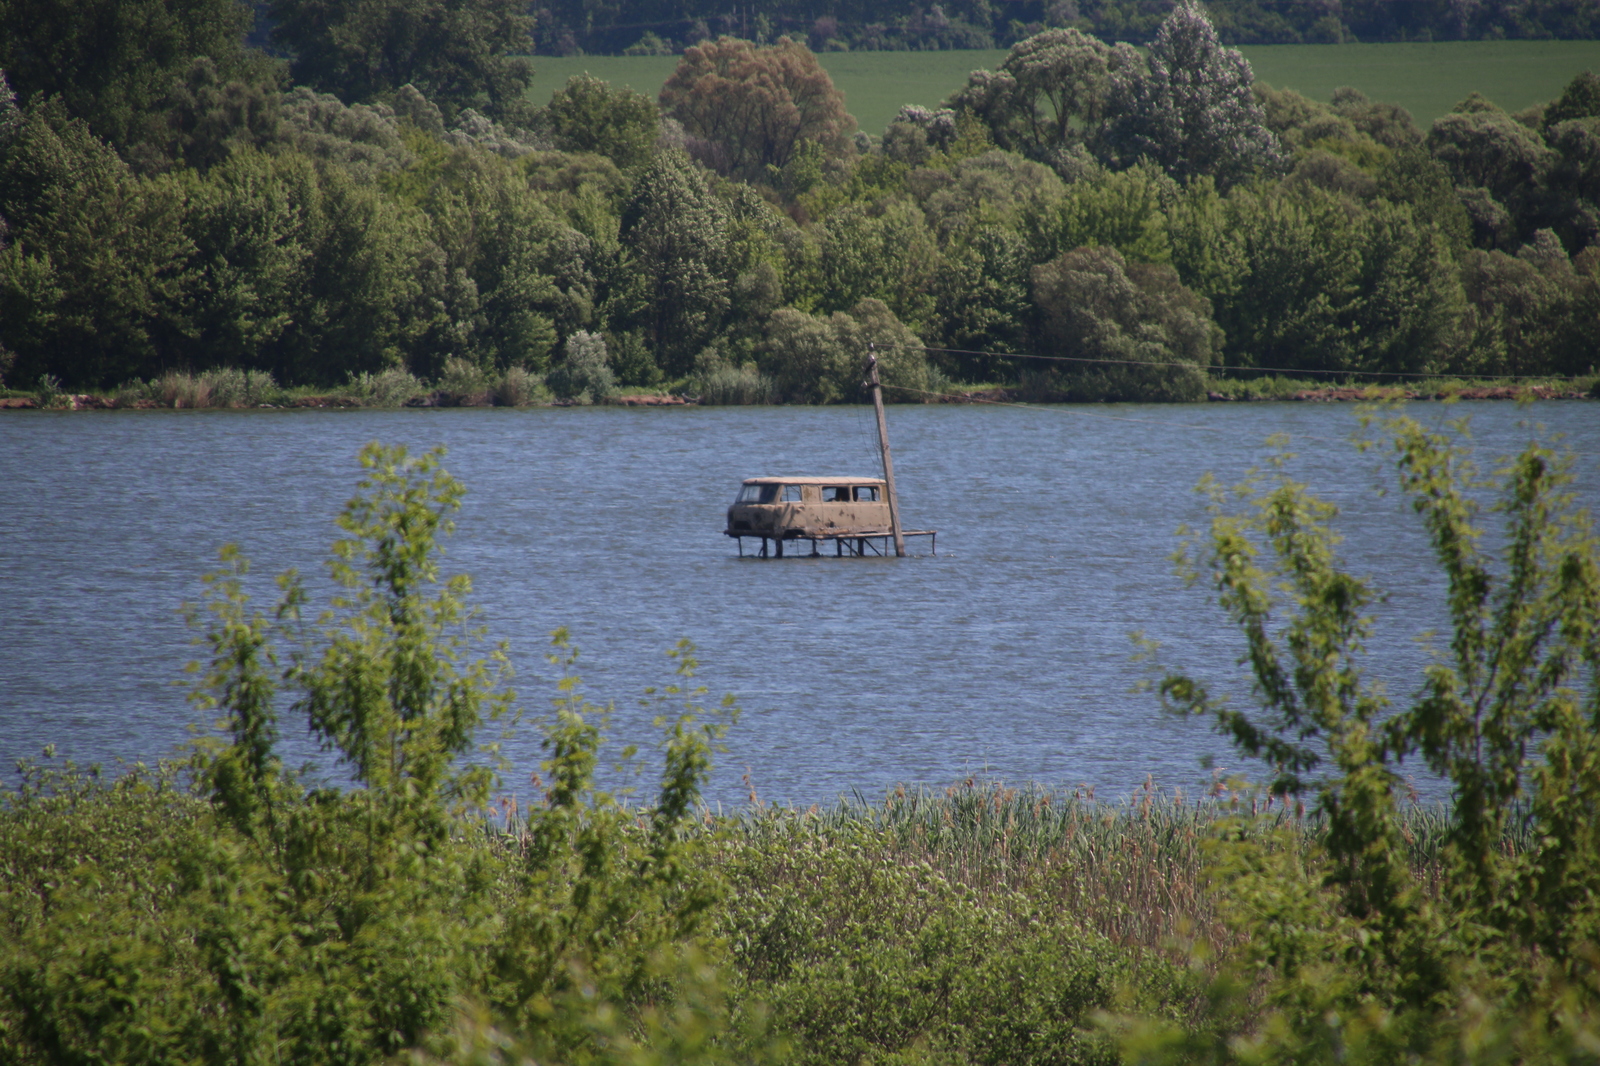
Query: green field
point(1429, 79)
point(1426, 79)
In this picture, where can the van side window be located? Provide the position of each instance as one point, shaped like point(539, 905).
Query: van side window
point(791, 494)
point(867, 493)
point(836, 494)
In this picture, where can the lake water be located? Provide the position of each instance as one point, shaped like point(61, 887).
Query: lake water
point(1006, 656)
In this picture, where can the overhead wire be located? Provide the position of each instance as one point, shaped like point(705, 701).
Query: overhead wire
point(1089, 413)
point(1080, 410)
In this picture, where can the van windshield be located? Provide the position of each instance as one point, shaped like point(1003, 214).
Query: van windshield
point(757, 494)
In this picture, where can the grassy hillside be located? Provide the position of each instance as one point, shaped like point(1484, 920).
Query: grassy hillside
point(1426, 79)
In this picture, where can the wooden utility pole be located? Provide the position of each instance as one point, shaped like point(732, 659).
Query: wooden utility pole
point(888, 463)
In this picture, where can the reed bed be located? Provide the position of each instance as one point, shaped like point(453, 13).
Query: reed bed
point(1133, 870)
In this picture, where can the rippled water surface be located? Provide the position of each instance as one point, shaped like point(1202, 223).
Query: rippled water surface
point(1007, 655)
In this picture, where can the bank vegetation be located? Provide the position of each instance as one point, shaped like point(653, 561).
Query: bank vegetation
point(1088, 222)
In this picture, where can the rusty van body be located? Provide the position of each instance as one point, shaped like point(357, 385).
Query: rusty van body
point(852, 512)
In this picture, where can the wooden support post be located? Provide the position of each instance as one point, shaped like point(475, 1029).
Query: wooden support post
point(888, 463)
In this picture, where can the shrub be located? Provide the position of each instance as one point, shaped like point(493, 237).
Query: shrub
point(729, 385)
point(584, 376)
point(464, 383)
point(386, 388)
point(266, 919)
point(232, 387)
point(518, 388)
point(866, 956)
point(1358, 963)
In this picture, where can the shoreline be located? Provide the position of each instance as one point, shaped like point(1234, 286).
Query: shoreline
point(1331, 394)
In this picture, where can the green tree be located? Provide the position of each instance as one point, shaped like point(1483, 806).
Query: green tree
point(984, 305)
point(822, 359)
point(1191, 111)
point(112, 62)
point(1050, 93)
point(1389, 124)
point(93, 271)
point(1131, 331)
point(369, 288)
point(207, 117)
point(1485, 149)
point(1580, 99)
point(500, 243)
point(673, 285)
point(1411, 299)
point(970, 193)
point(588, 115)
point(458, 54)
point(752, 107)
point(1126, 210)
point(1573, 181)
point(1411, 176)
point(760, 241)
point(1300, 122)
point(1515, 312)
point(583, 375)
point(881, 251)
point(1293, 302)
point(252, 222)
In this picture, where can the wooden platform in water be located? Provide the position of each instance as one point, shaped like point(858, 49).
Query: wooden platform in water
point(845, 542)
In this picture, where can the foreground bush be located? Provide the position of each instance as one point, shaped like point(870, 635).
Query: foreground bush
point(1357, 961)
point(262, 917)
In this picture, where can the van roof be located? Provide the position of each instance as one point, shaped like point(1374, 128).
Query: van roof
point(813, 481)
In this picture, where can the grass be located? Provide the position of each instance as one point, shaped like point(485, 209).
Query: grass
point(1273, 387)
point(461, 385)
point(1429, 79)
point(1426, 79)
point(1133, 871)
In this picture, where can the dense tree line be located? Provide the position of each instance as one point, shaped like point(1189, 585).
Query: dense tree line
point(565, 27)
point(1135, 217)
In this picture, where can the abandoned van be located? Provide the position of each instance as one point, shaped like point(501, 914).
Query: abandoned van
point(852, 512)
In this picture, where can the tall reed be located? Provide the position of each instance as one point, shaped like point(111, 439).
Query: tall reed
point(1134, 870)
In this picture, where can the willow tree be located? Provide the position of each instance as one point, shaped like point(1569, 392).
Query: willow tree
point(1049, 94)
point(753, 107)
